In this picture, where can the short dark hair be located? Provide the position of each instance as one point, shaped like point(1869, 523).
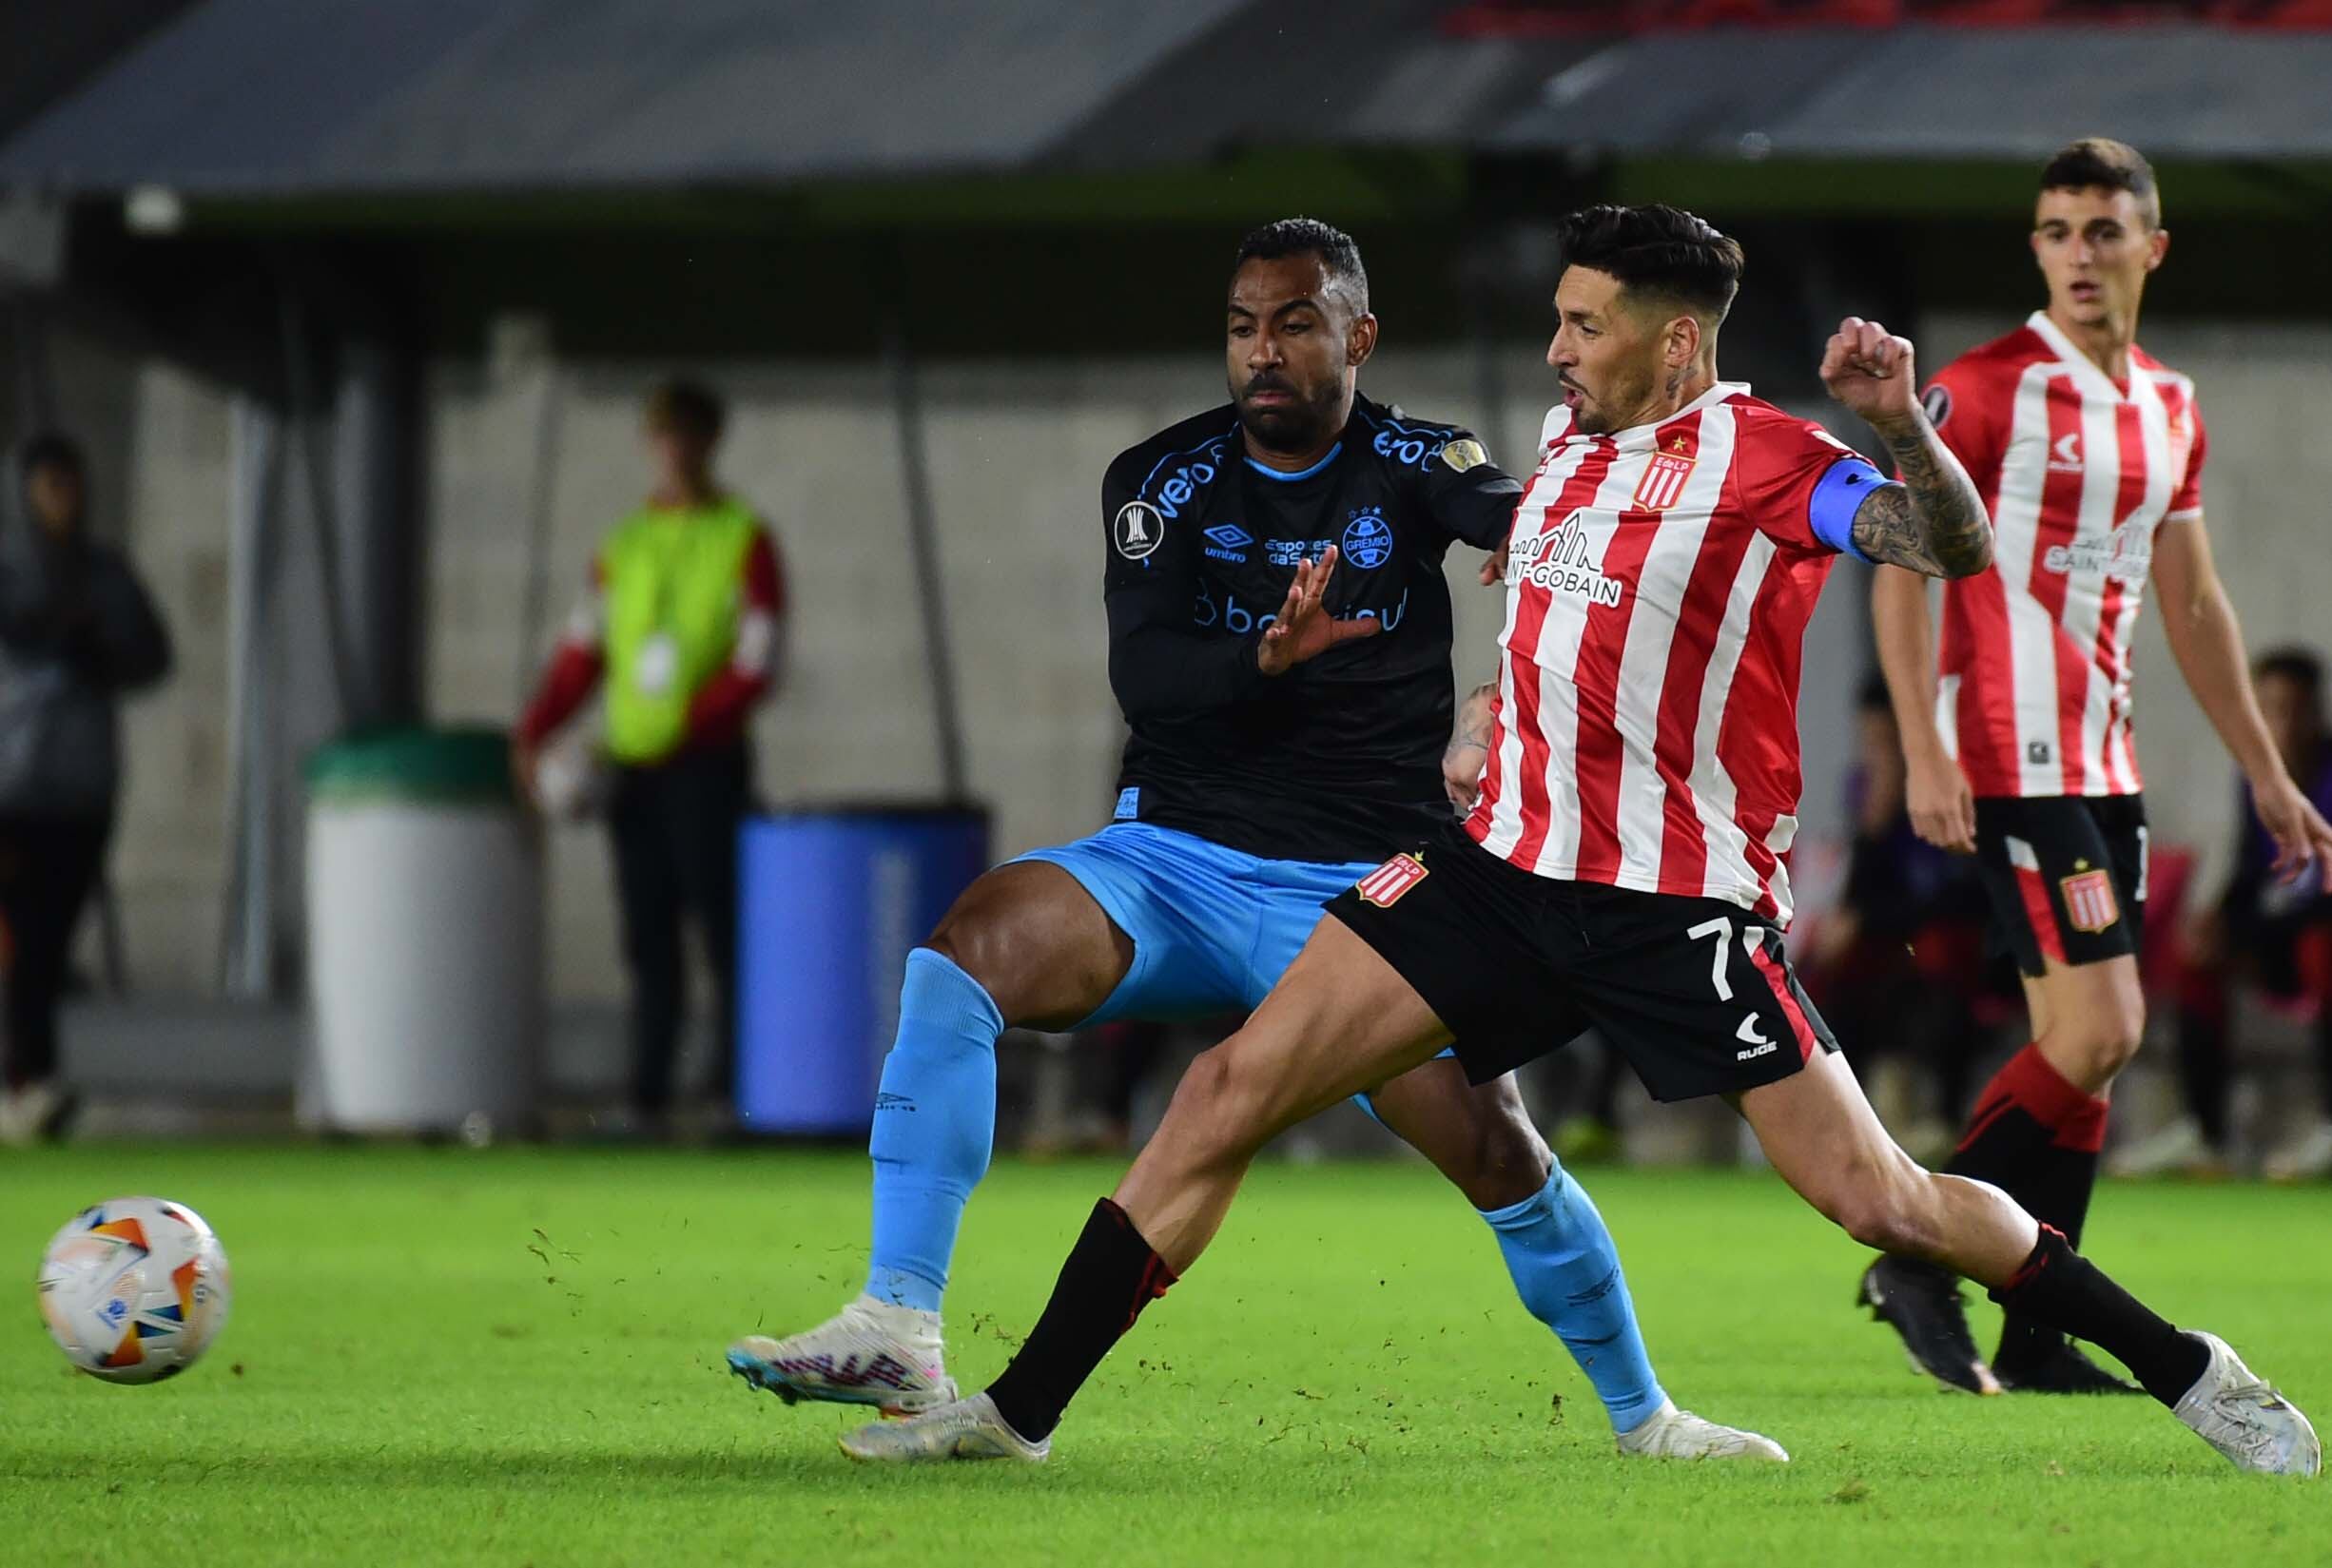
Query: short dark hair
point(2293, 663)
point(1336, 251)
point(2099, 163)
point(687, 408)
point(1661, 251)
point(52, 449)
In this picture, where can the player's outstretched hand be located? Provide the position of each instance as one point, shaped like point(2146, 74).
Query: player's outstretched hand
point(1871, 371)
point(1305, 629)
point(2301, 837)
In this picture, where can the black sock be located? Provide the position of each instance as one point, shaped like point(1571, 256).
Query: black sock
point(2036, 1137)
point(2058, 1286)
point(1111, 1275)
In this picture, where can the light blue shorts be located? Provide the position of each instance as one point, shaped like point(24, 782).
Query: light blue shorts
point(1212, 928)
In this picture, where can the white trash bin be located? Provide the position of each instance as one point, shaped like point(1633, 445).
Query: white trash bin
point(424, 914)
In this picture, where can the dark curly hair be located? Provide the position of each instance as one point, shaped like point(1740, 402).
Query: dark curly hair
point(2099, 163)
point(1338, 256)
point(1661, 252)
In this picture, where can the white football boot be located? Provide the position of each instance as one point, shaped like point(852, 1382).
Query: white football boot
point(1670, 1433)
point(871, 1352)
point(2244, 1417)
point(963, 1429)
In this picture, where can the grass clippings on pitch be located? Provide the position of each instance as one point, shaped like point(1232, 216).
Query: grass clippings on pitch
point(513, 1357)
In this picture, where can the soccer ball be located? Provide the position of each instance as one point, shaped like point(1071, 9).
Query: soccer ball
point(134, 1290)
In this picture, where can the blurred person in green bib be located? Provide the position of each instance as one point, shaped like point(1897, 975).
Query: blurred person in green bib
point(683, 620)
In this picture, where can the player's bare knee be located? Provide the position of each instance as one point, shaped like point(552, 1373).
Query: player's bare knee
point(971, 940)
point(1888, 1205)
point(1510, 1162)
point(2090, 1046)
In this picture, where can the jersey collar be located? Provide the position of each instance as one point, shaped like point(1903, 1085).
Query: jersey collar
point(1269, 473)
point(1639, 435)
point(2084, 371)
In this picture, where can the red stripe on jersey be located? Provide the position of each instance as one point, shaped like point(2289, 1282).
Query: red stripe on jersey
point(1521, 656)
point(2059, 525)
point(1601, 748)
point(1975, 625)
point(1779, 978)
point(1756, 742)
point(2110, 656)
point(1493, 772)
point(1683, 841)
point(1485, 798)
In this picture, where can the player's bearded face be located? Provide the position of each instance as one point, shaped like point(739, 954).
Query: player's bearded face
point(1607, 362)
point(1289, 353)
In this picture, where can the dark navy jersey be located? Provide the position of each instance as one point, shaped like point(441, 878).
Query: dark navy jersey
point(1339, 759)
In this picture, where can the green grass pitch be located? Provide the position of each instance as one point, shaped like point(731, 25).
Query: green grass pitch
point(513, 1357)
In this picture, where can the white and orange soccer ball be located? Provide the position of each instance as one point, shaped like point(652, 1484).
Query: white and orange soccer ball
point(134, 1290)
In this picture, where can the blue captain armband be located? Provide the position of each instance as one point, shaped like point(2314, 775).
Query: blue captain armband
point(1837, 495)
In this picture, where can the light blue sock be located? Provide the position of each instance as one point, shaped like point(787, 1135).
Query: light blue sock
point(934, 1127)
point(1567, 1273)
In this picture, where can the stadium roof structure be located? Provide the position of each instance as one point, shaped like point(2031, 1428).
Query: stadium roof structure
point(286, 98)
point(275, 103)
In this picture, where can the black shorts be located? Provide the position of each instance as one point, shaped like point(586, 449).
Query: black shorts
point(1696, 993)
point(2065, 875)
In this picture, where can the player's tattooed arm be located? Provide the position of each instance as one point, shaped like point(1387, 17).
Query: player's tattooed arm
point(1934, 522)
point(1469, 748)
point(1473, 720)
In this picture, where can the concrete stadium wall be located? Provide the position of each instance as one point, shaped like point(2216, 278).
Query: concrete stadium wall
point(1015, 451)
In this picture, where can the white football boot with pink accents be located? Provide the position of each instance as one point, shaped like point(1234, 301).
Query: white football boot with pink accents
point(871, 1352)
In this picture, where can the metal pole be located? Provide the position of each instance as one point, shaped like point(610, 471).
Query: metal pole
point(306, 433)
point(922, 539)
point(246, 961)
point(538, 526)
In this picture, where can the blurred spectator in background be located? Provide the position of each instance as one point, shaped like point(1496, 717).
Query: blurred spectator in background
point(1899, 962)
point(2267, 933)
point(77, 632)
point(685, 618)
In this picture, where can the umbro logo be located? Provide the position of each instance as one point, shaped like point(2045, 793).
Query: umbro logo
point(1228, 542)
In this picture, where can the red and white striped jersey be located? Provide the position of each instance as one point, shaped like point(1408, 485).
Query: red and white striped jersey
point(2077, 473)
point(1657, 589)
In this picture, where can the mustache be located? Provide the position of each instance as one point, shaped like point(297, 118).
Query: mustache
point(1267, 382)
